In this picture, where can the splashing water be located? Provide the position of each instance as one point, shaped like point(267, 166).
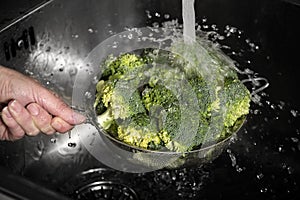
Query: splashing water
point(251, 154)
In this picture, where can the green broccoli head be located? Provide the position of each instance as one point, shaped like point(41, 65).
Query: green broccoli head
point(160, 97)
point(238, 99)
point(141, 132)
point(116, 67)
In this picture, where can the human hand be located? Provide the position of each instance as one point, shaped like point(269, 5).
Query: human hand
point(28, 108)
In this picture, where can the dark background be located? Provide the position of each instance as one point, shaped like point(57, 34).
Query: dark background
point(11, 9)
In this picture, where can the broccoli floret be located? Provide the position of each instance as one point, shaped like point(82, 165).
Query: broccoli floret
point(116, 67)
point(105, 119)
point(160, 96)
point(237, 98)
point(140, 132)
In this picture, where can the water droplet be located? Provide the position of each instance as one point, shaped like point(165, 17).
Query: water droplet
point(214, 27)
point(38, 150)
point(273, 106)
point(20, 43)
point(53, 140)
point(256, 112)
point(263, 190)
point(88, 94)
point(157, 14)
point(280, 149)
point(115, 45)
point(75, 36)
point(205, 26)
point(130, 36)
point(294, 113)
point(90, 30)
point(73, 71)
point(72, 144)
point(239, 169)
point(290, 170)
point(166, 16)
point(294, 139)
point(148, 14)
point(259, 176)
point(155, 25)
point(232, 157)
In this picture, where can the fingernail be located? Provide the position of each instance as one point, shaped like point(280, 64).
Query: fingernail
point(56, 125)
point(15, 106)
point(79, 118)
point(34, 110)
point(6, 112)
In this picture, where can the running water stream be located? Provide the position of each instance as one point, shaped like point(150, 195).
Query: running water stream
point(188, 15)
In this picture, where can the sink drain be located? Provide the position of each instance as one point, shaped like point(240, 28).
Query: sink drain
point(100, 184)
point(103, 190)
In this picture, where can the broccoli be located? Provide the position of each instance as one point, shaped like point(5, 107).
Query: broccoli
point(144, 104)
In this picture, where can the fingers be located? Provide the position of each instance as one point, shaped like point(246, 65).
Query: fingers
point(14, 85)
point(41, 118)
point(60, 125)
point(57, 107)
point(3, 131)
point(23, 118)
point(18, 121)
point(11, 130)
point(46, 122)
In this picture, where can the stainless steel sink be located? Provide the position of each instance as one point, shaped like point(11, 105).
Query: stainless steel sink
point(50, 44)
